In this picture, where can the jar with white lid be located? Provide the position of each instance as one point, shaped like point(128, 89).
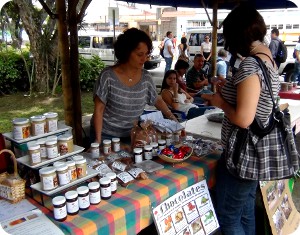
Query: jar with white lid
point(59, 208)
point(51, 138)
point(51, 148)
point(81, 168)
point(176, 137)
point(63, 174)
point(21, 128)
point(148, 152)
point(72, 170)
point(161, 144)
point(34, 154)
point(169, 138)
point(114, 181)
point(94, 188)
point(154, 146)
point(105, 188)
point(65, 144)
point(116, 144)
point(138, 155)
point(48, 178)
point(51, 121)
point(72, 202)
point(38, 125)
point(77, 157)
point(58, 163)
point(42, 143)
point(95, 150)
point(107, 147)
point(83, 197)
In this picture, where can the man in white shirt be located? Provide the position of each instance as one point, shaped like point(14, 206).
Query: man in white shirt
point(168, 50)
point(296, 74)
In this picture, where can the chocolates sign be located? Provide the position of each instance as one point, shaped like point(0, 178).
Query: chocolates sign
point(189, 211)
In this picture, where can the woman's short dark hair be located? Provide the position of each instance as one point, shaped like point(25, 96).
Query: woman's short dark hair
point(164, 84)
point(181, 64)
point(128, 41)
point(242, 26)
point(183, 40)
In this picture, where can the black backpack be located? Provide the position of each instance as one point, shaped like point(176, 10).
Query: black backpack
point(162, 49)
point(294, 54)
point(281, 52)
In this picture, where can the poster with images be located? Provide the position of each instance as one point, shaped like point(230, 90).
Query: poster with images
point(282, 213)
point(188, 212)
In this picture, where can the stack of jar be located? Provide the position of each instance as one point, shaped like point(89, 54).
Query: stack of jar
point(148, 152)
point(63, 173)
point(35, 126)
point(83, 197)
point(49, 148)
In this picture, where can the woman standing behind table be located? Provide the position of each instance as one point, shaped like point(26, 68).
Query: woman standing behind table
point(177, 98)
point(123, 90)
point(206, 48)
point(241, 98)
point(183, 50)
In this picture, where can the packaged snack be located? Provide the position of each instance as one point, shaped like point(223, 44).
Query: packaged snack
point(124, 178)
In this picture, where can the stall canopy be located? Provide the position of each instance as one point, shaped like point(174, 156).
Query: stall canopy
point(222, 4)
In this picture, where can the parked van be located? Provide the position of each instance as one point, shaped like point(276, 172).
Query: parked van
point(101, 44)
point(196, 36)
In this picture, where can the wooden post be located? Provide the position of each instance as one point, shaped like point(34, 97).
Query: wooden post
point(214, 40)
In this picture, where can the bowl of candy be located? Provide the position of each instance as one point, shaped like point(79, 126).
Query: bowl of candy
point(176, 154)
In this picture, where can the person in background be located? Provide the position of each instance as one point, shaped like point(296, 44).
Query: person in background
point(221, 65)
point(122, 91)
point(274, 44)
point(205, 49)
point(177, 99)
point(168, 50)
point(181, 67)
point(242, 98)
point(183, 50)
point(296, 74)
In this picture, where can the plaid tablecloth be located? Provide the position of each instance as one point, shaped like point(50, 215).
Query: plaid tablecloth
point(129, 210)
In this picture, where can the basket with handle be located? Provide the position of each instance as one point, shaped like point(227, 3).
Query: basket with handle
point(12, 186)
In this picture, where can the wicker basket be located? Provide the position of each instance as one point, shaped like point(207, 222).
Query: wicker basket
point(12, 186)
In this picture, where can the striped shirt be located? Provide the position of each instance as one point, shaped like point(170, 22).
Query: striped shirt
point(248, 67)
point(123, 104)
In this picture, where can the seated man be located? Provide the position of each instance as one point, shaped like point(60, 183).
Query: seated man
point(196, 81)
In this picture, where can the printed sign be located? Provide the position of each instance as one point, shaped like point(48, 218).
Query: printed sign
point(188, 212)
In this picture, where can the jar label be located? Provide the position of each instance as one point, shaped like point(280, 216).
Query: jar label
point(105, 192)
point(84, 202)
point(39, 128)
point(72, 174)
point(72, 207)
point(169, 140)
point(60, 213)
point(49, 182)
point(95, 152)
point(63, 148)
point(95, 197)
point(116, 147)
point(36, 157)
point(161, 147)
point(148, 155)
point(21, 132)
point(43, 151)
point(114, 185)
point(81, 171)
point(52, 125)
point(52, 152)
point(154, 152)
point(106, 149)
point(63, 178)
point(138, 158)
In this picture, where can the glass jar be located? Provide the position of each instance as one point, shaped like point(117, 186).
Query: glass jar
point(147, 152)
point(116, 144)
point(176, 137)
point(95, 197)
point(95, 150)
point(21, 128)
point(154, 146)
point(65, 144)
point(48, 178)
point(63, 174)
point(34, 154)
point(38, 125)
point(59, 208)
point(72, 170)
point(77, 157)
point(43, 150)
point(81, 168)
point(161, 144)
point(114, 182)
point(107, 147)
point(168, 138)
point(51, 121)
point(105, 188)
point(83, 197)
point(138, 155)
point(51, 147)
point(72, 202)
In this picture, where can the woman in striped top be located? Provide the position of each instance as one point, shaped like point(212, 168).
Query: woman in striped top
point(241, 98)
point(122, 91)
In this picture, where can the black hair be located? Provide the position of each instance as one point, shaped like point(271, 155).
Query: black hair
point(242, 26)
point(183, 41)
point(276, 31)
point(181, 64)
point(164, 84)
point(128, 41)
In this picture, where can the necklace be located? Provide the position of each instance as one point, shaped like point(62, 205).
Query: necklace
point(253, 49)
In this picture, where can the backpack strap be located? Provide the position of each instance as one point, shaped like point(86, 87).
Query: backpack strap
point(272, 60)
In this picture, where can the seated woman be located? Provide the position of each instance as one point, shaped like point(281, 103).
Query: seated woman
point(177, 99)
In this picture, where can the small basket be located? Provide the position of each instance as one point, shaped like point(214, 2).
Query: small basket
point(172, 160)
point(12, 186)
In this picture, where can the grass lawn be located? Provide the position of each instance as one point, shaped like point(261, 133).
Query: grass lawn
point(18, 105)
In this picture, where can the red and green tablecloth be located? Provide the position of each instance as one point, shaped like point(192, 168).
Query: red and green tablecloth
point(128, 211)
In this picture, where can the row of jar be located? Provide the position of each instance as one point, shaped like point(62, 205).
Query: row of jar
point(84, 196)
point(49, 148)
point(35, 126)
point(62, 173)
point(109, 146)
